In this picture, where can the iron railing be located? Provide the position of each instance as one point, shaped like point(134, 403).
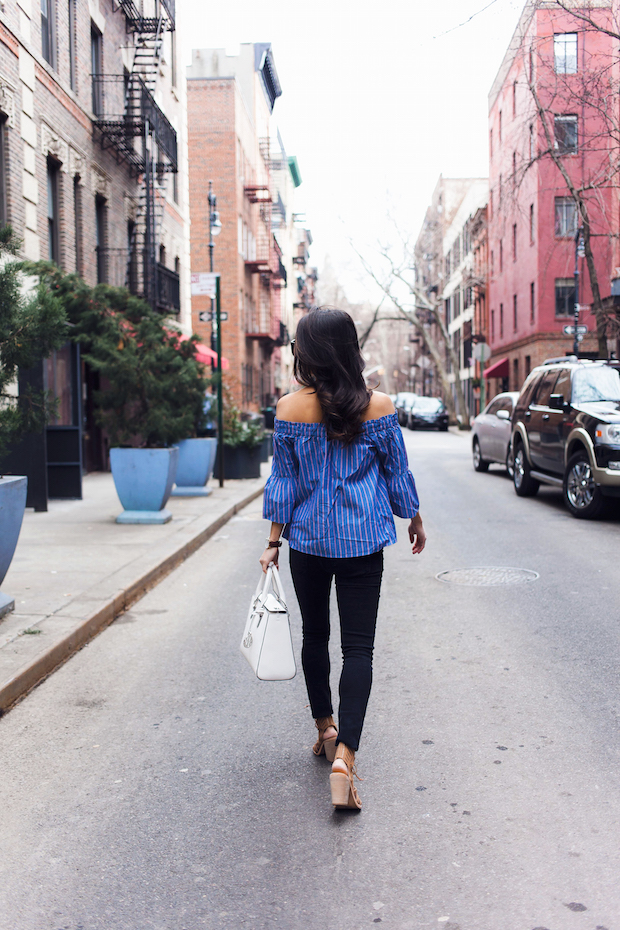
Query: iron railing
point(168, 289)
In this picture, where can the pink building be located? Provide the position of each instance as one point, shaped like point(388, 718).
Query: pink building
point(557, 58)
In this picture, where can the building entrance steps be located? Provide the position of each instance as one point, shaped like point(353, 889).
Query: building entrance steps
point(75, 570)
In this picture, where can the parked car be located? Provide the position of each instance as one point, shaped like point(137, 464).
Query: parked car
point(429, 413)
point(403, 405)
point(566, 433)
point(491, 429)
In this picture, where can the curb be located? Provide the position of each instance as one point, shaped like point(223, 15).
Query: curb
point(47, 662)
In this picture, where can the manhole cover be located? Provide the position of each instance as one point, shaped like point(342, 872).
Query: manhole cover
point(487, 577)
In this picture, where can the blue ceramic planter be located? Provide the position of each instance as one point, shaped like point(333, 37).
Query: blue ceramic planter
point(12, 506)
point(196, 461)
point(143, 480)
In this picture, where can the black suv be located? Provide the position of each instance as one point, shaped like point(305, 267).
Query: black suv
point(566, 432)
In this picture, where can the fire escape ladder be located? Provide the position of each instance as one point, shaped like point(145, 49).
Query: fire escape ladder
point(130, 122)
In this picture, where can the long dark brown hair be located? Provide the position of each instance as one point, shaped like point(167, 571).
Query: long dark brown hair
point(328, 359)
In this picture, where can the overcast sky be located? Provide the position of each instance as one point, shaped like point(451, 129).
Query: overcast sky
point(378, 99)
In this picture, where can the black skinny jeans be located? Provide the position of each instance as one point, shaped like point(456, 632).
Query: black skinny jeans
point(358, 585)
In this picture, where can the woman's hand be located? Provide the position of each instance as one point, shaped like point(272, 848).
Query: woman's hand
point(417, 534)
point(269, 557)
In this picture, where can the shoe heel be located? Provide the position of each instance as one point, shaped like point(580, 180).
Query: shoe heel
point(329, 746)
point(339, 785)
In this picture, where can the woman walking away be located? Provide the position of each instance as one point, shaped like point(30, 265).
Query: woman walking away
point(339, 472)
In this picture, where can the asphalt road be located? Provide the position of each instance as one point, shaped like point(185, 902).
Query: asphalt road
point(153, 784)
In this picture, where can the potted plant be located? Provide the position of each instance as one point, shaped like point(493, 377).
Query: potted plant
point(197, 454)
point(152, 385)
point(32, 324)
point(243, 441)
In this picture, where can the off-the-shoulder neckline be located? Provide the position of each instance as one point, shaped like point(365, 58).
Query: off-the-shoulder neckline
point(301, 426)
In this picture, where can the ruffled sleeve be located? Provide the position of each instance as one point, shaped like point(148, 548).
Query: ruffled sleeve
point(281, 487)
point(393, 457)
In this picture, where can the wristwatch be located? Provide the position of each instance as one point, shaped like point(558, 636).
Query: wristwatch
point(274, 543)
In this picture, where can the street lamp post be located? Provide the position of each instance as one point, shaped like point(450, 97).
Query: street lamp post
point(215, 227)
point(578, 252)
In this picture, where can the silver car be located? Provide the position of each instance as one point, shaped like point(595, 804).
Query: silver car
point(490, 440)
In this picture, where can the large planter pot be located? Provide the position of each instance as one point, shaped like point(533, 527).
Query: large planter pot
point(195, 467)
point(143, 480)
point(12, 506)
point(240, 462)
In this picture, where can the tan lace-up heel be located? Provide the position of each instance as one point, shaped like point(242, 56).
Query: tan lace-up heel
point(344, 792)
point(324, 746)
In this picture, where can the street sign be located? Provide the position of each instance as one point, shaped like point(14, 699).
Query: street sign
point(204, 284)
point(482, 352)
point(205, 316)
point(570, 330)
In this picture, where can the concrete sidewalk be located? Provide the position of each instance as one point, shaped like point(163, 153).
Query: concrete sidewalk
point(75, 570)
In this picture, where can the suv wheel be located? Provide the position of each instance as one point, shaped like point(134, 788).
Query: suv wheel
point(581, 495)
point(525, 485)
point(479, 463)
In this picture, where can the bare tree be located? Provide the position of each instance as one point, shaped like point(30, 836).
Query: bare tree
point(591, 91)
point(397, 283)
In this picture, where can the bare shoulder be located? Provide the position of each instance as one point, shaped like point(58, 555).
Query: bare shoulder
point(299, 407)
point(380, 406)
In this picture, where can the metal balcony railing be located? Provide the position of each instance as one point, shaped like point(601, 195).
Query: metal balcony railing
point(168, 289)
point(126, 110)
point(138, 22)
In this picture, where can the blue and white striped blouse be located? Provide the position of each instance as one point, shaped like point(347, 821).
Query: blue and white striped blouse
point(338, 500)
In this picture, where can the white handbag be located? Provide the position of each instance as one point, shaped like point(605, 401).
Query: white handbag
point(267, 643)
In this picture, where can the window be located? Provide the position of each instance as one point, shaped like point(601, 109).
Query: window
point(162, 255)
point(100, 239)
point(173, 58)
point(532, 303)
point(515, 374)
point(3, 174)
point(77, 223)
point(175, 186)
point(501, 255)
point(96, 62)
point(447, 310)
point(132, 264)
point(492, 325)
point(492, 261)
point(47, 30)
point(531, 57)
point(514, 242)
point(514, 99)
point(514, 169)
point(501, 321)
point(532, 144)
point(563, 385)
point(531, 224)
point(52, 211)
point(545, 388)
point(565, 53)
point(528, 365)
point(564, 296)
point(515, 318)
point(565, 128)
point(72, 68)
point(565, 217)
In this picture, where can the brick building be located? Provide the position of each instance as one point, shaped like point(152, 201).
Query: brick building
point(233, 143)
point(532, 218)
point(93, 175)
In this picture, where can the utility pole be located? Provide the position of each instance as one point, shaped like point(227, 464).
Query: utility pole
point(216, 333)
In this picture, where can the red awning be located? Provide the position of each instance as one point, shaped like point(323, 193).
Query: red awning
point(204, 354)
point(498, 370)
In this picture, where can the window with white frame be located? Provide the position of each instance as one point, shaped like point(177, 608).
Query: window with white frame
point(565, 130)
point(565, 53)
point(565, 217)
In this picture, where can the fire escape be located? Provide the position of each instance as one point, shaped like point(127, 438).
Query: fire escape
point(130, 123)
point(266, 261)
